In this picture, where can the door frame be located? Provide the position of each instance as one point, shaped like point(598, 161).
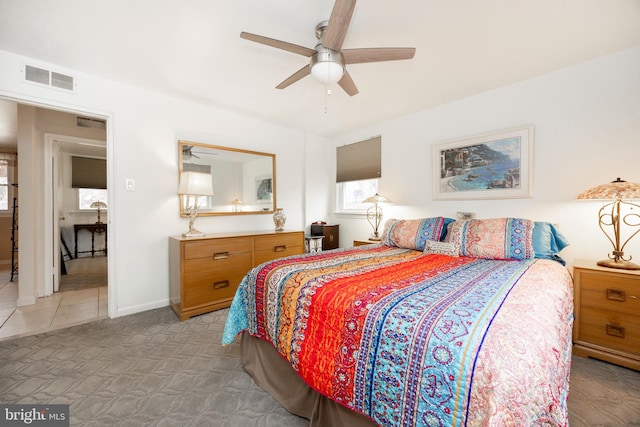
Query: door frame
point(51, 221)
point(21, 98)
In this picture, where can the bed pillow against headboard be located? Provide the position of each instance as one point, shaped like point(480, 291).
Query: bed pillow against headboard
point(548, 241)
point(495, 238)
point(412, 233)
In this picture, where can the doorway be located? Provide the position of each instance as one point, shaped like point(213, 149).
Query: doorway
point(46, 252)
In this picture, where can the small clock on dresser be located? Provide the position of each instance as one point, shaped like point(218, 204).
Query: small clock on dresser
point(607, 313)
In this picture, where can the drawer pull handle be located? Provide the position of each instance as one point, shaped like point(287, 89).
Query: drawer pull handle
point(221, 284)
point(615, 295)
point(221, 255)
point(615, 331)
point(280, 248)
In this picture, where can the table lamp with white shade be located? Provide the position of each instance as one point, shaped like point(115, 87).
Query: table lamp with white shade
point(192, 186)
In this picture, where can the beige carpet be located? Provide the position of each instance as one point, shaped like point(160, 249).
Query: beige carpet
point(150, 369)
point(84, 273)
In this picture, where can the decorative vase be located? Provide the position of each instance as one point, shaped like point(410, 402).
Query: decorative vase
point(279, 218)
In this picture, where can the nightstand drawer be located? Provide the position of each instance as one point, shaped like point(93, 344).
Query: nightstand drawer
point(610, 293)
point(607, 313)
point(609, 329)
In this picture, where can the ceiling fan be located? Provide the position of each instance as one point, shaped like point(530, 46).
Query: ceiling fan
point(328, 59)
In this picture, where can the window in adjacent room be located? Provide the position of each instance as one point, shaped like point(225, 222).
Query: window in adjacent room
point(86, 196)
point(89, 176)
point(358, 169)
point(4, 185)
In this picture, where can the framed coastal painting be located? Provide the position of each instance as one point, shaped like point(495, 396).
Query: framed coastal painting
point(497, 165)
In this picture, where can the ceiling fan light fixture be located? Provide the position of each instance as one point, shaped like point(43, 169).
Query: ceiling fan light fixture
point(327, 66)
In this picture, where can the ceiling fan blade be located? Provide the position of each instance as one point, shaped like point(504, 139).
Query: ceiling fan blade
point(302, 72)
point(289, 47)
point(346, 83)
point(338, 24)
point(377, 54)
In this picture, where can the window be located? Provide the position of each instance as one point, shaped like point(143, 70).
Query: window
point(4, 185)
point(86, 196)
point(352, 193)
point(358, 169)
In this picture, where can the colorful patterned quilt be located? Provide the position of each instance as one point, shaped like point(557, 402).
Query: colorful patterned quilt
point(410, 339)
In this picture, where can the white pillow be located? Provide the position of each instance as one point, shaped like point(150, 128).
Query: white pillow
point(443, 248)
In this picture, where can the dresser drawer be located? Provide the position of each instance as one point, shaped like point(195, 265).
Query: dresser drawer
point(217, 247)
point(609, 292)
point(277, 246)
point(616, 330)
point(207, 279)
point(276, 242)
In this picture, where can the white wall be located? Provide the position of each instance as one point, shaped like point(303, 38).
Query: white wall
point(587, 127)
point(586, 118)
point(142, 144)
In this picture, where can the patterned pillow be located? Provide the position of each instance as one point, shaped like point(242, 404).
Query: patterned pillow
point(497, 238)
point(411, 233)
point(442, 248)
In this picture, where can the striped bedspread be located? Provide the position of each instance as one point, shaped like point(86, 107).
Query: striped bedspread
point(409, 339)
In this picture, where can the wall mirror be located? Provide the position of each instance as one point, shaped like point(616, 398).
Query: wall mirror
point(244, 182)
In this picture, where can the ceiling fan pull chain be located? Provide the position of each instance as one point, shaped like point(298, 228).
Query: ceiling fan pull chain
point(327, 93)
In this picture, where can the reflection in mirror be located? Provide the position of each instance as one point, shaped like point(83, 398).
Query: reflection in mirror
point(244, 181)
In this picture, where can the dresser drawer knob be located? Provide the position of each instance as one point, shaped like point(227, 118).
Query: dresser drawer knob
point(615, 330)
point(221, 255)
point(615, 295)
point(280, 248)
point(221, 284)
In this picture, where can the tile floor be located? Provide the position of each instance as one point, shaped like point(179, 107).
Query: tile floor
point(61, 310)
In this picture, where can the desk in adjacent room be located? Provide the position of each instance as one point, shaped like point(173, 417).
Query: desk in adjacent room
point(93, 229)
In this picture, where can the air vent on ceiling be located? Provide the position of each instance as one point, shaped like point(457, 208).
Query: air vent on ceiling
point(49, 78)
point(89, 122)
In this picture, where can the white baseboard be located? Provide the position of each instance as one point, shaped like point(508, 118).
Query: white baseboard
point(143, 307)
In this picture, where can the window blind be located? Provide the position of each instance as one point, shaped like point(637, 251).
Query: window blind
point(359, 161)
point(87, 172)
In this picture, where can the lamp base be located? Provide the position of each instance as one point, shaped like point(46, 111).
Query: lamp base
point(193, 233)
point(375, 238)
point(622, 265)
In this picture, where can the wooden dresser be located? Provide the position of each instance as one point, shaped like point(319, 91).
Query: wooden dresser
point(607, 314)
point(204, 272)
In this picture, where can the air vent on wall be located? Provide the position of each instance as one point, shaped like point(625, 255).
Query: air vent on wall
point(89, 122)
point(49, 78)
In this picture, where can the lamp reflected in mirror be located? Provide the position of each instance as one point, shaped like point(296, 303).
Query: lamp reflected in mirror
point(237, 205)
point(194, 185)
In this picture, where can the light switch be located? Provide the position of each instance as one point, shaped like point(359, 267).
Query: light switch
point(130, 184)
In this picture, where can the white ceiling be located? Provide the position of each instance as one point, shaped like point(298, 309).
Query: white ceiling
point(192, 49)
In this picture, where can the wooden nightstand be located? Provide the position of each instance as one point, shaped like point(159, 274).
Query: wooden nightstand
point(607, 314)
point(363, 242)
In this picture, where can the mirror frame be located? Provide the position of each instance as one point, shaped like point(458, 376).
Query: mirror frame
point(181, 143)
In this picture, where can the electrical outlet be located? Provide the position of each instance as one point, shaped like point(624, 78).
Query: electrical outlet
point(130, 184)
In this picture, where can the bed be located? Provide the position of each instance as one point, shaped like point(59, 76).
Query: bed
point(444, 323)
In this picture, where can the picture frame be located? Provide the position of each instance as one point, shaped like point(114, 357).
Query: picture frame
point(496, 165)
point(264, 189)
